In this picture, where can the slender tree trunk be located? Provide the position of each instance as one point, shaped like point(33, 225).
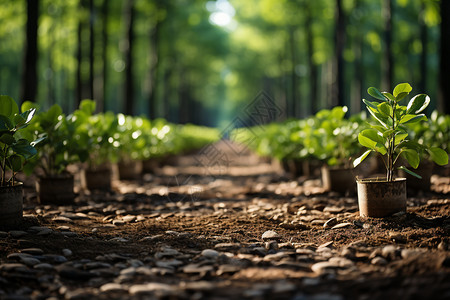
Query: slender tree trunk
point(129, 80)
point(101, 103)
point(338, 91)
point(293, 75)
point(388, 60)
point(358, 66)
point(313, 72)
point(424, 54)
point(154, 70)
point(29, 80)
point(445, 58)
point(91, 49)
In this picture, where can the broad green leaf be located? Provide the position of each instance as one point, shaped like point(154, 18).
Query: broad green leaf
point(28, 115)
point(402, 88)
point(357, 161)
point(438, 155)
point(376, 94)
point(412, 156)
point(5, 123)
point(389, 96)
point(399, 137)
point(379, 117)
point(379, 128)
point(372, 104)
point(7, 138)
point(28, 105)
point(417, 104)
point(410, 172)
point(16, 163)
point(23, 148)
point(408, 119)
point(401, 96)
point(8, 107)
point(385, 109)
point(19, 120)
point(371, 139)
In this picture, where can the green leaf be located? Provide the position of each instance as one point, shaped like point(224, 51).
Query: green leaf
point(438, 155)
point(28, 105)
point(7, 138)
point(385, 109)
point(372, 104)
point(410, 172)
point(5, 123)
point(389, 96)
point(28, 115)
point(376, 94)
point(8, 107)
point(19, 120)
point(15, 163)
point(23, 148)
point(371, 139)
point(401, 96)
point(417, 104)
point(357, 161)
point(399, 137)
point(402, 88)
point(412, 156)
point(408, 119)
point(379, 117)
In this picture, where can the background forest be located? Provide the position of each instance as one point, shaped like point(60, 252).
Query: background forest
point(202, 61)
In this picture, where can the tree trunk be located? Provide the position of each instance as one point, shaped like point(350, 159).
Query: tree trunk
point(445, 58)
point(313, 72)
point(129, 80)
point(359, 66)
point(424, 54)
point(91, 49)
point(154, 70)
point(338, 91)
point(29, 81)
point(388, 61)
point(101, 101)
point(293, 75)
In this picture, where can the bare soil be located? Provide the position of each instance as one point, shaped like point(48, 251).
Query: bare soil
point(192, 207)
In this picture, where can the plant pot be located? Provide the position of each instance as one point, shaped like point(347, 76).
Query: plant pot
point(96, 179)
point(425, 170)
point(11, 205)
point(379, 198)
point(129, 169)
point(339, 180)
point(55, 190)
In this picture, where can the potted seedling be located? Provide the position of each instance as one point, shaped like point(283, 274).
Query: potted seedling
point(380, 197)
point(14, 152)
point(54, 184)
point(131, 146)
point(97, 145)
point(335, 144)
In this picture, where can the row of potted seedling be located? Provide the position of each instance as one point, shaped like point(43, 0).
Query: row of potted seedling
point(400, 133)
point(47, 142)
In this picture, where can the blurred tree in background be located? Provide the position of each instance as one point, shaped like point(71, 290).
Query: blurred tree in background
point(203, 61)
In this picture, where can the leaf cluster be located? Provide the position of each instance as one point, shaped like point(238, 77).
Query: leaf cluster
point(389, 137)
point(15, 150)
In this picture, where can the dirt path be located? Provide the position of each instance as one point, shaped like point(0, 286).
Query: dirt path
point(226, 226)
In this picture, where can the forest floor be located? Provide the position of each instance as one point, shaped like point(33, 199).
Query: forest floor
point(239, 230)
